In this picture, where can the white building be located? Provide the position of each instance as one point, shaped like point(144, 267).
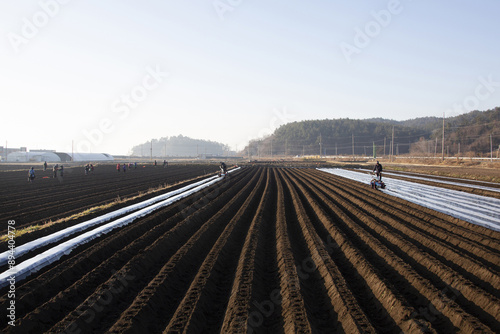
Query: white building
point(34, 156)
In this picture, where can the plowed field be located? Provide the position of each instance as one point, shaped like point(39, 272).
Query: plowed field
point(273, 250)
point(49, 198)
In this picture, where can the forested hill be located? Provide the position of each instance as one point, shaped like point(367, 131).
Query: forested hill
point(468, 133)
point(179, 146)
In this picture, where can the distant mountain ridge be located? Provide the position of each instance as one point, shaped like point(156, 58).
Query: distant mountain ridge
point(465, 134)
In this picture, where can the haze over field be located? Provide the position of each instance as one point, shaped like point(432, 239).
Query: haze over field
point(110, 75)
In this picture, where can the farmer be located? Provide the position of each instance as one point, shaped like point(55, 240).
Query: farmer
point(378, 170)
point(31, 174)
point(124, 167)
point(118, 167)
point(54, 170)
point(45, 166)
point(223, 168)
point(61, 170)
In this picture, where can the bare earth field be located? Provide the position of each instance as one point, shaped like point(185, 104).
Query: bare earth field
point(265, 250)
point(49, 198)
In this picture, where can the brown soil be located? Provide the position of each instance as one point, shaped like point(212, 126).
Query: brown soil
point(274, 250)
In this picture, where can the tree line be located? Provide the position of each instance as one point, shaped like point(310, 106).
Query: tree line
point(471, 134)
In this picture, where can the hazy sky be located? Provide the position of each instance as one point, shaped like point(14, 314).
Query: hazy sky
point(111, 74)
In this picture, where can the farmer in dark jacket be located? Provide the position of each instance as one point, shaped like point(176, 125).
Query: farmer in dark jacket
point(378, 170)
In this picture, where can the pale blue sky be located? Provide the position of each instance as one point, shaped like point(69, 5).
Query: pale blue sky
point(68, 69)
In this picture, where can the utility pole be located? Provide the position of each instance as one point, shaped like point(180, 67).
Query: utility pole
point(491, 148)
point(392, 143)
point(353, 146)
point(320, 146)
point(286, 144)
point(384, 145)
point(151, 150)
point(442, 145)
point(436, 147)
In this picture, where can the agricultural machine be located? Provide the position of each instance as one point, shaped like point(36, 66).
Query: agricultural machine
point(377, 183)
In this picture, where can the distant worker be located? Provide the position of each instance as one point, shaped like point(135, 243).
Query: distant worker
point(135, 165)
point(378, 170)
point(124, 168)
point(164, 163)
point(118, 167)
point(45, 166)
point(223, 168)
point(155, 163)
point(91, 168)
point(61, 170)
point(54, 170)
point(87, 169)
point(31, 174)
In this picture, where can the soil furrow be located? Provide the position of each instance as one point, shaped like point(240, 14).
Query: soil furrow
point(91, 277)
point(202, 300)
point(429, 234)
point(146, 265)
point(53, 201)
point(293, 308)
point(402, 225)
point(409, 281)
point(266, 306)
point(444, 224)
point(161, 295)
point(381, 301)
point(382, 227)
point(237, 312)
point(351, 316)
point(265, 250)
